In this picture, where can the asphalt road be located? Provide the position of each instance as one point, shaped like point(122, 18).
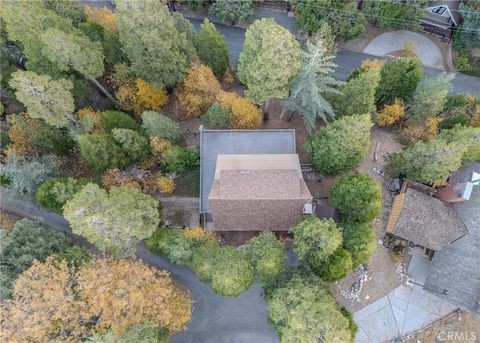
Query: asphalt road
point(214, 319)
point(346, 60)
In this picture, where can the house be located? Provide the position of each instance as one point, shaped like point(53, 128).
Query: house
point(250, 180)
point(441, 237)
point(441, 17)
point(258, 192)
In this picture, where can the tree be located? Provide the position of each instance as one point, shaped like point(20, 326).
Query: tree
point(158, 125)
point(302, 309)
point(177, 159)
point(358, 197)
point(428, 162)
point(270, 59)
point(45, 98)
point(197, 92)
point(358, 94)
point(430, 97)
point(217, 117)
point(137, 292)
point(149, 97)
point(135, 146)
point(212, 49)
point(359, 240)
point(341, 145)
point(66, 9)
point(346, 21)
point(62, 304)
point(145, 332)
point(32, 137)
point(392, 113)
point(118, 120)
point(468, 137)
point(232, 11)
point(104, 17)
point(471, 22)
point(397, 15)
point(54, 193)
point(101, 151)
point(399, 79)
point(267, 255)
point(159, 53)
point(113, 221)
point(28, 241)
point(312, 83)
point(314, 240)
point(242, 113)
point(185, 26)
point(26, 174)
point(73, 51)
point(336, 266)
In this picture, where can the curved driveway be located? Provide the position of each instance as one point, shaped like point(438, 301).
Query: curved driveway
point(215, 318)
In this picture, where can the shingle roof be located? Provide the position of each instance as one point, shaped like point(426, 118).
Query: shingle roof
point(427, 221)
point(455, 269)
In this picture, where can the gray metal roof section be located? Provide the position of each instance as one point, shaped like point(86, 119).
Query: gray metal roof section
point(454, 271)
point(215, 142)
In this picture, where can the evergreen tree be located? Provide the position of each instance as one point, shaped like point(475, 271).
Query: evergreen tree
point(270, 59)
point(212, 49)
point(233, 11)
point(470, 33)
point(430, 96)
point(312, 83)
point(159, 53)
point(358, 94)
point(45, 98)
point(185, 26)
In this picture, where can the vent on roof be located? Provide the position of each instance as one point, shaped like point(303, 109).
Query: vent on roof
point(308, 208)
point(467, 192)
point(475, 179)
point(244, 173)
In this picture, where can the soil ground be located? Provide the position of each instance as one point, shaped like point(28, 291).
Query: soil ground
point(461, 326)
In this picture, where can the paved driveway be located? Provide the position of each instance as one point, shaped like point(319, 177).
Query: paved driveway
point(388, 42)
point(402, 311)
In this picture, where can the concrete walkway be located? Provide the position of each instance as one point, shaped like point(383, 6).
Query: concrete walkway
point(402, 311)
point(214, 319)
point(391, 41)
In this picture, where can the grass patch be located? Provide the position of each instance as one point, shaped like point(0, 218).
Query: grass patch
point(188, 183)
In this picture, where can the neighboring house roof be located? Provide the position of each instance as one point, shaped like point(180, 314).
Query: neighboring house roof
point(443, 19)
point(464, 174)
point(257, 192)
point(425, 220)
point(218, 142)
point(455, 269)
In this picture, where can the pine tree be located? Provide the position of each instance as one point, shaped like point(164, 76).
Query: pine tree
point(212, 49)
point(312, 83)
point(159, 53)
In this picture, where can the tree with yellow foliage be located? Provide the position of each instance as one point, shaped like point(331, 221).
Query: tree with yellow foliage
point(55, 303)
point(141, 96)
point(243, 113)
point(197, 92)
point(90, 120)
point(103, 17)
point(160, 183)
point(199, 235)
point(392, 113)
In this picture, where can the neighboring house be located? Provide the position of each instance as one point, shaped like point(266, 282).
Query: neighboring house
point(258, 192)
point(251, 180)
point(442, 237)
point(441, 17)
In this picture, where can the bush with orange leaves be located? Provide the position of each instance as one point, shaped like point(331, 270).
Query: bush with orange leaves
point(197, 92)
point(372, 64)
point(158, 183)
point(392, 113)
point(56, 303)
point(414, 131)
point(140, 97)
point(103, 17)
point(131, 178)
point(199, 235)
point(159, 145)
point(90, 120)
point(243, 113)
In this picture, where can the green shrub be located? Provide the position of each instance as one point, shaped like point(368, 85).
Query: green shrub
point(156, 124)
point(336, 266)
point(217, 117)
point(133, 144)
point(204, 261)
point(396, 15)
point(458, 100)
point(340, 146)
point(177, 159)
point(451, 122)
point(233, 12)
point(358, 197)
point(353, 326)
point(172, 243)
point(101, 151)
point(359, 240)
point(118, 120)
point(54, 193)
point(75, 257)
point(213, 49)
point(28, 241)
point(267, 255)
